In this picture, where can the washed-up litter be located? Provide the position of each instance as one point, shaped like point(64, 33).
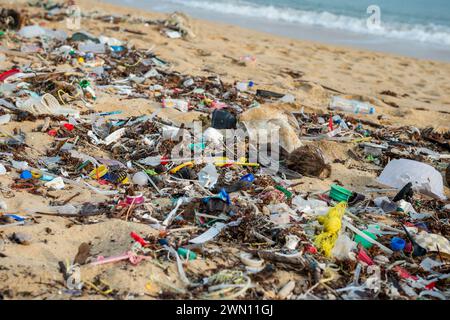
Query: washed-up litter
point(244, 219)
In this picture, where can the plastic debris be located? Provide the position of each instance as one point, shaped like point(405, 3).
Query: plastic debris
point(90, 134)
point(424, 178)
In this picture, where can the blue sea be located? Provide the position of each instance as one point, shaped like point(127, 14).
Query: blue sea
point(418, 28)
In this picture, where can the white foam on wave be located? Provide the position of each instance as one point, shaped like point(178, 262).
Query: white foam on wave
point(435, 34)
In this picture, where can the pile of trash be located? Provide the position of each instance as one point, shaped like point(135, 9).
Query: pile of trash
point(377, 243)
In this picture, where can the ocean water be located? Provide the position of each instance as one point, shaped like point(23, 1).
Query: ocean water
point(418, 28)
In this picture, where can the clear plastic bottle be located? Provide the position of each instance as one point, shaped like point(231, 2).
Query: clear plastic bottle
point(244, 86)
point(351, 106)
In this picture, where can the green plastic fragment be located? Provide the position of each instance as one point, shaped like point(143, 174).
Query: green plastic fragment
point(150, 172)
point(84, 83)
point(287, 193)
point(183, 252)
point(366, 244)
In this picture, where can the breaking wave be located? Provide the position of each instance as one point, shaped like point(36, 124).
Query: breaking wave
point(436, 34)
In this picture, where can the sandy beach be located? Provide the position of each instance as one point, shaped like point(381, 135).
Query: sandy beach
point(405, 92)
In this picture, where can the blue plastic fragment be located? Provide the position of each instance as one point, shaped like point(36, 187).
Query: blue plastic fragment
point(26, 174)
point(248, 177)
point(15, 217)
point(163, 242)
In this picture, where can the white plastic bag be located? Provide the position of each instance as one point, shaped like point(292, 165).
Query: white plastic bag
point(343, 247)
point(424, 177)
point(312, 206)
point(213, 135)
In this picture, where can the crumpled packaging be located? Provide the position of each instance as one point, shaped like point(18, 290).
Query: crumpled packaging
point(433, 242)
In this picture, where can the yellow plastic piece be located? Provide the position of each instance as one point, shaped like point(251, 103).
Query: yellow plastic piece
point(332, 223)
point(103, 292)
point(223, 161)
point(98, 172)
point(181, 166)
point(365, 139)
point(36, 174)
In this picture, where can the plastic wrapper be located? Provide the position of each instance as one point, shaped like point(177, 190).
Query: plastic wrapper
point(343, 247)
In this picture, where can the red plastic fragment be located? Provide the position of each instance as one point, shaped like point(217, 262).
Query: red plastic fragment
point(408, 247)
point(8, 74)
point(364, 257)
point(403, 273)
point(310, 249)
point(68, 126)
point(164, 160)
point(430, 286)
point(137, 238)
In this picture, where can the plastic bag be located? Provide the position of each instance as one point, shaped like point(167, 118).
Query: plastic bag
point(313, 206)
point(213, 136)
point(424, 177)
point(208, 176)
point(37, 31)
point(343, 247)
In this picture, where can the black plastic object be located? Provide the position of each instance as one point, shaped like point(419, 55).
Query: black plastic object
point(222, 119)
point(80, 36)
point(418, 251)
point(269, 94)
point(239, 185)
point(215, 205)
point(406, 193)
point(355, 198)
point(186, 173)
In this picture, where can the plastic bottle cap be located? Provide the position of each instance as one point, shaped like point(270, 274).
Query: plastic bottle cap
point(397, 244)
point(26, 174)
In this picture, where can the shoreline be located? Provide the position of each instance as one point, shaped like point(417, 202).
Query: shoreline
point(317, 34)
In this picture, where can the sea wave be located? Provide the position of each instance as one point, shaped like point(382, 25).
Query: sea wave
point(431, 33)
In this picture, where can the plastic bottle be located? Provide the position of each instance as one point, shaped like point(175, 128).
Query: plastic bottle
point(351, 106)
point(243, 86)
